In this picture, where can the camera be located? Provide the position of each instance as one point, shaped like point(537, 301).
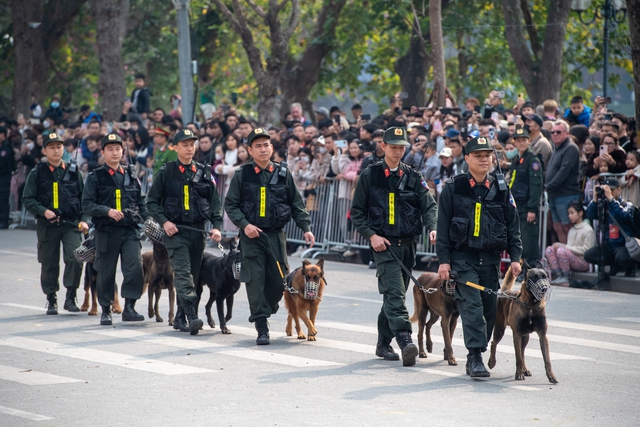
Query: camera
point(599, 192)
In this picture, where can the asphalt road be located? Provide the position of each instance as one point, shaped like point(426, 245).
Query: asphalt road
point(67, 370)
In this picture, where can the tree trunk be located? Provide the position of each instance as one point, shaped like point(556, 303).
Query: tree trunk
point(412, 68)
point(299, 77)
point(437, 52)
point(110, 17)
point(542, 78)
point(633, 9)
point(23, 12)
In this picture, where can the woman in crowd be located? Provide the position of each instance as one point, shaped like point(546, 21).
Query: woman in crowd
point(565, 258)
point(615, 157)
point(629, 182)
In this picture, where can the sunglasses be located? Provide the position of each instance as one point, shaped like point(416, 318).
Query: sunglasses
point(557, 132)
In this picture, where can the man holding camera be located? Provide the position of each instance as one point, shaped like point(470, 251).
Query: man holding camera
point(615, 253)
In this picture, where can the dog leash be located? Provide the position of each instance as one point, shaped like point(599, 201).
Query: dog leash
point(497, 293)
point(406, 270)
point(290, 289)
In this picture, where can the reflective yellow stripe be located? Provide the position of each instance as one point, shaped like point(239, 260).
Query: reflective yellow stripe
point(476, 226)
point(263, 202)
point(473, 285)
point(392, 209)
point(186, 197)
point(118, 200)
point(513, 178)
point(55, 195)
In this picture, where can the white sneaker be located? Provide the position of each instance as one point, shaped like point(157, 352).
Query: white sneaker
point(425, 259)
point(338, 249)
point(349, 252)
point(299, 251)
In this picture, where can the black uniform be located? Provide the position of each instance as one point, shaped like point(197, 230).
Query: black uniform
point(7, 167)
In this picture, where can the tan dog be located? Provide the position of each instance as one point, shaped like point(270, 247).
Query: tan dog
point(91, 295)
point(299, 304)
point(524, 317)
point(438, 304)
point(158, 275)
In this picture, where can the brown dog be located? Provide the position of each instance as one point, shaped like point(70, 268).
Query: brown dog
point(524, 316)
point(301, 303)
point(438, 304)
point(90, 293)
point(158, 275)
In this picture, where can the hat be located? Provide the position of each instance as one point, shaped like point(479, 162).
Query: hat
point(412, 125)
point(183, 135)
point(161, 130)
point(257, 133)
point(478, 144)
point(52, 137)
point(527, 104)
point(503, 124)
point(452, 133)
point(536, 118)
point(446, 152)
point(520, 132)
point(395, 136)
point(611, 182)
point(323, 111)
point(111, 138)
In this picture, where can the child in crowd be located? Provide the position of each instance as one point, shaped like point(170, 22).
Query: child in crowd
point(565, 258)
point(629, 182)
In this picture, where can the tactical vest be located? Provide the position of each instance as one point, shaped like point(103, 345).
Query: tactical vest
point(478, 224)
point(116, 197)
point(265, 206)
point(185, 202)
point(519, 183)
point(394, 212)
point(62, 197)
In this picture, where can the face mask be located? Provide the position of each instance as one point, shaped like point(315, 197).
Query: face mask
point(218, 156)
point(61, 132)
point(55, 104)
point(46, 124)
point(322, 150)
point(304, 159)
point(511, 154)
point(30, 145)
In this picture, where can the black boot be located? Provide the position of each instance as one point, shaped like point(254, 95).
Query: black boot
point(105, 319)
point(475, 367)
point(195, 324)
point(262, 326)
point(70, 301)
point(129, 313)
point(180, 321)
point(408, 348)
point(52, 303)
point(384, 349)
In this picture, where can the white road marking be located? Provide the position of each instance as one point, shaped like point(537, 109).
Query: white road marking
point(100, 356)
point(23, 414)
point(210, 347)
point(31, 377)
point(594, 328)
point(628, 319)
point(488, 382)
point(29, 254)
point(353, 298)
point(28, 307)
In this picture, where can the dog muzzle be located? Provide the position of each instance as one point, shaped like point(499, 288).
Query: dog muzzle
point(540, 289)
point(154, 232)
point(449, 287)
point(237, 267)
point(85, 254)
point(310, 290)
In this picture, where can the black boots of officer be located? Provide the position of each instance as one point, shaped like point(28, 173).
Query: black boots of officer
point(384, 349)
point(129, 314)
point(105, 319)
point(52, 303)
point(475, 366)
point(70, 301)
point(180, 321)
point(408, 348)
point(195, 324)
point(262, 326)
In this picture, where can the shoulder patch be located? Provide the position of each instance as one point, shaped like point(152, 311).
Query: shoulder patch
point(512, 201)
point(423, 183)
point(535, 166)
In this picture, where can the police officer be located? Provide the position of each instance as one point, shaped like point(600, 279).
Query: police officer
point(262, 199)
point(184, 194)
point(390, 207)
point(113, 199)
point(477, 220)
point(53, 194)
point(526, 188)
point(7, 167)
point(164, 151)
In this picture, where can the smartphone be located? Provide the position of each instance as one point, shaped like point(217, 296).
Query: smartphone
point(336, 118)
point(437, 126)
point(492, 134)
point(495, 116)
point(366, 117)
point(603, 150)
point(445, 111)
point(341, 143)
point(521, 95)
point(607, 117)
point(476, 108)
point(500, 94)
point(607, 100)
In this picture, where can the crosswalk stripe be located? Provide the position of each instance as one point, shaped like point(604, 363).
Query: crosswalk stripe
point(101, 356)
point(210, 347)
point(28, 307)
point(485, 381)
point(594, 328)
point(31, 377)
point(353, 298)
point(23, 414)
point(628, 319)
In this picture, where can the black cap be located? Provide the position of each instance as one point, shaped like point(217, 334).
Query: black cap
point(520, 132)
point(111, 138)
point(479, 143)
point(52, 137)
point(257, 133)
point(183, 135)
point(395, 136)
point(611, 182)
point(536, 118)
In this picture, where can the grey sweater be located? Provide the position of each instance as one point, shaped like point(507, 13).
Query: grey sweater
point(563, 171)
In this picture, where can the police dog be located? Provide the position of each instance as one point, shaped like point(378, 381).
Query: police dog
point(438, 304)
point(309, 283)
point(221, 275)
point(524, 316)
point(90, 293)
point(158, 275)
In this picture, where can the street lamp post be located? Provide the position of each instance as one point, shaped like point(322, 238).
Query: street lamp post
point(184, 58)
point(609, 12)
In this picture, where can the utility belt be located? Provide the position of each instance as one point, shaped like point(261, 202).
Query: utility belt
point(465, 254)
point(402, 241)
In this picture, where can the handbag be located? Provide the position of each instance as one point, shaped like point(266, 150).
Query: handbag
point(631, 243)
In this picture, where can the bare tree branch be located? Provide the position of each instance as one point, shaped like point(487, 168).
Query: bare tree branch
point(293, 20)
point(257, 9)
point(534, 37)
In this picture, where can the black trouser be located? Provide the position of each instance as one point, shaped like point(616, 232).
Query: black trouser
point(185, 252)
point(5, 191)
point(49, 239)
point(618, 256)
point(530, 235)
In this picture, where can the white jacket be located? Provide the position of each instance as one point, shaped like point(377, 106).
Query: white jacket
point(580, 238)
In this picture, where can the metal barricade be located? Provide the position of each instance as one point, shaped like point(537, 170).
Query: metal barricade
point(18, 214)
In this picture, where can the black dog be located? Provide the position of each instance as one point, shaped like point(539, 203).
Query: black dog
point(158, 275)
point(218, 274)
